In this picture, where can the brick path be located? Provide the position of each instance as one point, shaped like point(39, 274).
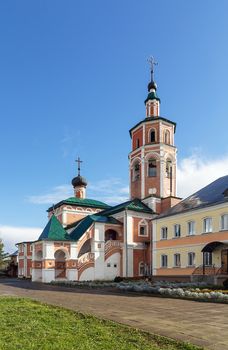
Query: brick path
point(204, 324)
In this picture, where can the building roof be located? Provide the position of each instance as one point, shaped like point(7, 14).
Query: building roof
point(134, 204)
point(83, 202)
point(212, 194)
point(53, 231)
point(83, 225)
point(149, 119)
point(152, 95)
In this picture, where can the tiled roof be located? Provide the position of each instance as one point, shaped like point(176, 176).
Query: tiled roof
point(83, 225)
point(53, 231)
point(134, 204)
point(83, 202)
point(214, 193)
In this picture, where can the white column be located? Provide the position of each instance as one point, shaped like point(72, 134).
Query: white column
point(48, 275)
point(153, 249)
point(99, 254)
point(128, 246)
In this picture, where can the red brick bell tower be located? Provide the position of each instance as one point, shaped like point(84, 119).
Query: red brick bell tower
point(153, 155)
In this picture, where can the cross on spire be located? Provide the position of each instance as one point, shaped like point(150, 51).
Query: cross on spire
point(152, 63)
point(79, 161)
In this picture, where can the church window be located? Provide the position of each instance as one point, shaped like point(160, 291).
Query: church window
point(152, 136)
point(224, 222)
point(152, 168)
point(168, 170)
point(136, 172)
point(141, 268)
point(142, 230)
point(167, 137)
point(115, 265)
point(137, 143)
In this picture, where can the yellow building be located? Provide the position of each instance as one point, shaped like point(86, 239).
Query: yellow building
point(191, 238)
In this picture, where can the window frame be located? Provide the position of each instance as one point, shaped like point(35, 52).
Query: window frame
point(174, 229)
point(153, 168)
point(144, 224)
point(164, 228)
point(205, 225)
point(193, 255)
point(141, 266)
point(207, 257)
point(225, 228)
point(175, 263)
point(194, 227)
point(164, 256)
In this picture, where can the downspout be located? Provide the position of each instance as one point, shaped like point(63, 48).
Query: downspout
point(126, 245)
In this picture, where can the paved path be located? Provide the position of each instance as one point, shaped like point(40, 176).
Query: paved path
point(204, 324)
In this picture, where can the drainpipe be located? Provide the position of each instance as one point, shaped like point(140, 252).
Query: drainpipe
point(126, 245)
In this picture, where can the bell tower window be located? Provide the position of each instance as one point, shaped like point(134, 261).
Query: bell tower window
point(137, 143)
point(152, 136)
point(168, 170)
point(152, 168)
point(136, 172)
point(167, 137)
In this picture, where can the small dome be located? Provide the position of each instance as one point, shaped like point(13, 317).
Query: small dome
point(152, 85)
point(79, 181)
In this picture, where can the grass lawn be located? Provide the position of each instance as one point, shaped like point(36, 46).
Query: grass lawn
point(29, 325)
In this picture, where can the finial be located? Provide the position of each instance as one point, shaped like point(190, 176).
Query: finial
point(152, 63)
point(53, 209)
point(79, 161)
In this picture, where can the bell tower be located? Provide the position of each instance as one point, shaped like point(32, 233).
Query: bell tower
point(153, 155)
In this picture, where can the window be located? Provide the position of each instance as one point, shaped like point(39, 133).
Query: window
point(191, 259)
point(177, 260)
point(141, 268)
point(168, 170)
point(136, 172)
point(142, 230)
point(207, 225)
point(177, 230)
point(167, 137)
point(152, 168)
point(108, 265)
point(224, 222)
point(115, 265)
point(152, 136)
point(207, 256)
point(137, 143)
point(191, 228)
point(164, 232)
point(164, 261)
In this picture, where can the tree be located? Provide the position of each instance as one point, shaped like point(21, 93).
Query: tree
point(3, 256)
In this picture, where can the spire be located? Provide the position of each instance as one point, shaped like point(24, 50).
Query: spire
point(152, 101)
point(152, 63)
point(79, 183)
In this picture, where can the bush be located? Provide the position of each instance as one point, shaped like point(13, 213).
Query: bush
point(118, 279)
point(225, 283)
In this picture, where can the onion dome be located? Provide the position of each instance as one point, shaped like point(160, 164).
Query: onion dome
point(152, 86)
point(79, 181)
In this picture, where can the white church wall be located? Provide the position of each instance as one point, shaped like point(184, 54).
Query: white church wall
point(72, 275)
point(36, 275)
point(98, 246)
point(87, 274)
point(112, 267)
point(48, 275)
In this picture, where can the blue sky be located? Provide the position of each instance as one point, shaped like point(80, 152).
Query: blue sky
point(73, 78)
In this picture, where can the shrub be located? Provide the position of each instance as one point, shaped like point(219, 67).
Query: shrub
point(118, 279)
point(225, 283)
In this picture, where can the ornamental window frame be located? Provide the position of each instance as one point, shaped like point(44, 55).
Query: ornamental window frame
point(154, 131)
point(143, 224)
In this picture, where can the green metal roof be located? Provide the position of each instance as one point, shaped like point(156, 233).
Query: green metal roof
point(91, 203)
point(53, 231)
point(85, 223)
point(150, 119)
point(152, 96)
point(135, 205)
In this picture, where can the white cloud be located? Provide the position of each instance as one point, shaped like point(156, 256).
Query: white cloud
point(11, 235)
point(56, 194)
point(195, 172)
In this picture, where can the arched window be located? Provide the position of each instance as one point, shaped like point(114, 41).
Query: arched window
point(152, 168)
point(137, 143)
point(110, 235)
point(136, 172)
point(153, 136)
point(168, 169)
point(167, 137)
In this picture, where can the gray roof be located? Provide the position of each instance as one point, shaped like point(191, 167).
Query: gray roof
point(214, 193)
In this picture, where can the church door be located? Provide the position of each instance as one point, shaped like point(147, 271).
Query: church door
point(224, 259)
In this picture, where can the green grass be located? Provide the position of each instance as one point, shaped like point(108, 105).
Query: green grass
point(29, 325)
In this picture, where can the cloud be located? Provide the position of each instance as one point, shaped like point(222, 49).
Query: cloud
point(12, 235)
point(56, 195)
point(196, 171)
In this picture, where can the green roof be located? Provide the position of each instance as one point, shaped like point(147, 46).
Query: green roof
point(150, 119)
point(135, 205)
point(83, 225)
point(83, 202)
point(53, 231)
point(152, 96)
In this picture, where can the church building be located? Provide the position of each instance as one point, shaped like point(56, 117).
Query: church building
point(86, 239)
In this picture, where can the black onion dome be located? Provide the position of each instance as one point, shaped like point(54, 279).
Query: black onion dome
point(79, 181)
point(152, 85)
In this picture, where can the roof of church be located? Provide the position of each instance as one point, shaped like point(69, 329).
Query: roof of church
point(83, 202)
point(133, 204)
point(152, 96)
point(53, 231)
point(214, 193)
point(149, 119)
point(84, 224)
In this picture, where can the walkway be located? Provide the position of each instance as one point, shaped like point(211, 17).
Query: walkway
point(204, 324)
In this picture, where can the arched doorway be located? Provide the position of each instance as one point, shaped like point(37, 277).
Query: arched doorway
point(110, 235)
point(60, 264)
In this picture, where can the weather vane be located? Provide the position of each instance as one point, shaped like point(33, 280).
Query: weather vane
point(79, 161)
point(152, 63)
